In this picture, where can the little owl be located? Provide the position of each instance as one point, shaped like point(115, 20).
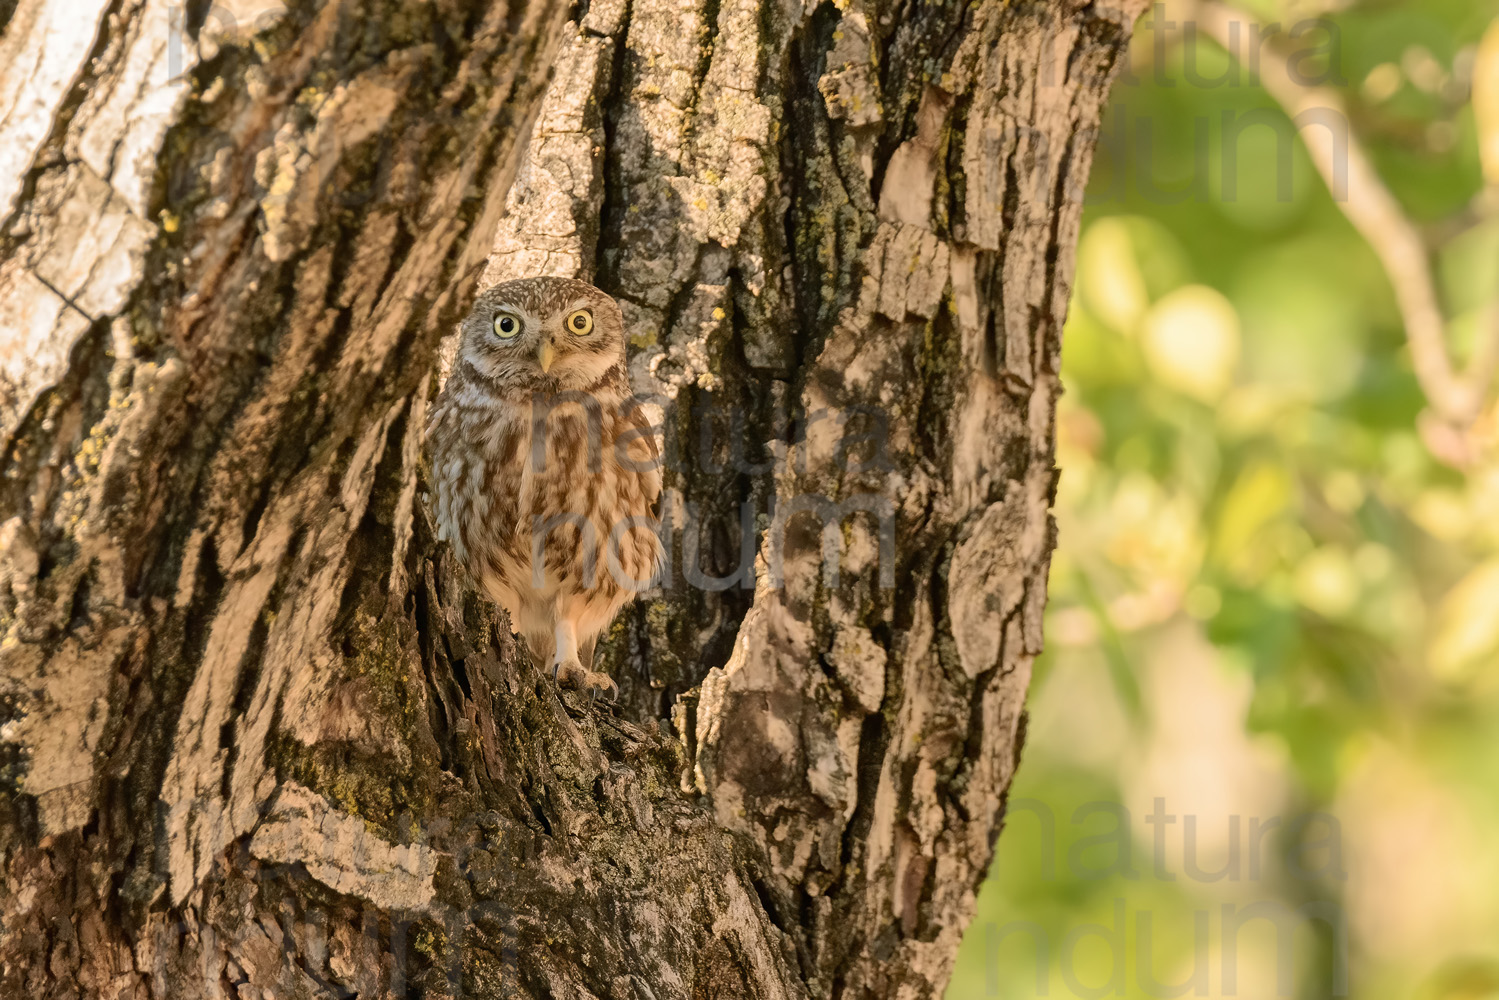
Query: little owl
point(546, 470)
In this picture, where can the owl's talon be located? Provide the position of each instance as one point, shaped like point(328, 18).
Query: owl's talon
point(569, 673)
point(596, 682)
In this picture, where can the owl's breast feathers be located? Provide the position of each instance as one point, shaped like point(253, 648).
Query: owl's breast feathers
point(574, 479)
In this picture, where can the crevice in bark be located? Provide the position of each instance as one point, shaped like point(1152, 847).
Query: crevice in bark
point(14, 802)
point(941, 352)
point(249, 674)
point(711, 29)
point(955, 139)
point(75, 403)
point(366, 588)
point(873, 741)
point(194, 15)
point(803, 150)
point(257, 510)
point(613, 205)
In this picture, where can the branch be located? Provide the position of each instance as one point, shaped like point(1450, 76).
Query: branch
point(1456, 398)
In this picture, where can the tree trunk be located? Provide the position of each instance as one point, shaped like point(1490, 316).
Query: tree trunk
point(261, 740)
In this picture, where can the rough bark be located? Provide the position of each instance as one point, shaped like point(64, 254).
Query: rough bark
point(260, 740)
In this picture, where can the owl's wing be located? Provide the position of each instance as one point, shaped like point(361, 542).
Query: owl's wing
point(640, 446)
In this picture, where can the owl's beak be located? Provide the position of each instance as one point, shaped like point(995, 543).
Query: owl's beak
point(545, 356)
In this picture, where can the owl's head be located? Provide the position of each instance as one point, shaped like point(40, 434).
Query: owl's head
point(552, 334)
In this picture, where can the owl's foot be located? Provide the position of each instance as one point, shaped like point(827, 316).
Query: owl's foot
point(568, 673)
point(571, 674)
point(568, 669)
point(594, 682)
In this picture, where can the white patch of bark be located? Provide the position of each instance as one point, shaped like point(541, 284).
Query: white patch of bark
point(338, 850)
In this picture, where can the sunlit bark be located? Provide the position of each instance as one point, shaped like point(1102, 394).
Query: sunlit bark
point(259, 740)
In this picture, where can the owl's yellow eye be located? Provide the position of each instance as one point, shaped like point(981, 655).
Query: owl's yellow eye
point(506, 326)
point(579, 322)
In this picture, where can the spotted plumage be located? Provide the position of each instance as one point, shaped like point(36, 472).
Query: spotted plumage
point(545, 469)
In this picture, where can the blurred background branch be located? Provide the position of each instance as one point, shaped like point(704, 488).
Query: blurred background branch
point(1455, 397)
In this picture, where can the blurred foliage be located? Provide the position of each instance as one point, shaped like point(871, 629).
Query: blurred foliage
point(1274, 614)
